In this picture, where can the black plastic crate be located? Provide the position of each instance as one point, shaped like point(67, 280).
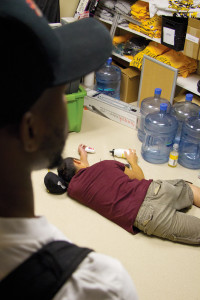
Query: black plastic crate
point(174, 32)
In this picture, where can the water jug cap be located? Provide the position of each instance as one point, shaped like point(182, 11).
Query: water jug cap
point(163, 106)
point(189, 97)
point(158, 91)
point(109, 60)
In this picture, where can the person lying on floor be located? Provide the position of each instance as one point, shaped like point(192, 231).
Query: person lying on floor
point(125, 197)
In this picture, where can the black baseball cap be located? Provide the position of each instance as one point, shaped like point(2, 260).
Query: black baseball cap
point(55, 184)
point(35, 57)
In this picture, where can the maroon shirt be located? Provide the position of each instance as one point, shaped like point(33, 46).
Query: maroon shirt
point(105, 188)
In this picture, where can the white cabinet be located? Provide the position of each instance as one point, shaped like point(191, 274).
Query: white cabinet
point(189, 83)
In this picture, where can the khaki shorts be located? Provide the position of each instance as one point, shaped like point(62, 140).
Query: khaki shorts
point(161, 213)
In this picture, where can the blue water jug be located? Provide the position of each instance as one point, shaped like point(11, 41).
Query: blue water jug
point(160, 130)
point(182, 111)
point(189, 150)
point(150, 105)
point(108, 80)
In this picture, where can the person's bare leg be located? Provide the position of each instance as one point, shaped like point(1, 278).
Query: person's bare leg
point(196, 193)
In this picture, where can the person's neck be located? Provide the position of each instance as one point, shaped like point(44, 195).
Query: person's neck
point(16, 193)
point(16, 197)
point(16, 200)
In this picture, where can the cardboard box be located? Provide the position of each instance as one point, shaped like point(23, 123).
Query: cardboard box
point(113, 109)
point(192, 40)
point(129, 84)
point(181, 97)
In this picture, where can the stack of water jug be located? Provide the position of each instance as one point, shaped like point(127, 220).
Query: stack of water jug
point(162, 125)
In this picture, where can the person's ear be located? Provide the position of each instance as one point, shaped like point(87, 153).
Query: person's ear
point(29, 132)
point(76, 161)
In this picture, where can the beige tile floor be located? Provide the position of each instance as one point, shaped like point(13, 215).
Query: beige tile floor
point(161, 270)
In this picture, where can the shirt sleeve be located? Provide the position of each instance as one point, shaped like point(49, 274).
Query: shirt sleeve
point(99, 277)
point(120, 165)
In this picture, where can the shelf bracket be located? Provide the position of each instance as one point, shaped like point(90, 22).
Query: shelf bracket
point(116, 21)
point(114, 24)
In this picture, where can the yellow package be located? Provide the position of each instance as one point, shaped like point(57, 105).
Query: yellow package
point(153, 49)
point(140, 10)
point(151, 27)
point(121, 38)
point(183, 63)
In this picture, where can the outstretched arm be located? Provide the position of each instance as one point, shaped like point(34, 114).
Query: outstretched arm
point(83, 155)
point(135, 172)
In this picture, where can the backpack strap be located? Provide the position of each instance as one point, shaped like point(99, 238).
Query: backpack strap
point(42, 275)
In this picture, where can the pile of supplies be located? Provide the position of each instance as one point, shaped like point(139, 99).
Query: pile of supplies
point(107, 8)
point(183, 63)
point(128, 46)
point(139, 10)
point(150, 26)
point(170, 7)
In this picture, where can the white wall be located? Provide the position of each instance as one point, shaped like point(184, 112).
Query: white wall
point(68, 8)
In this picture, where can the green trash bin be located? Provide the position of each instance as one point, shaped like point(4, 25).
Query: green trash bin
point(75, 102)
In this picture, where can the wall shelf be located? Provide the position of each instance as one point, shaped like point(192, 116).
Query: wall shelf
point(140, 34)
point(130, 30)
point(189, 83)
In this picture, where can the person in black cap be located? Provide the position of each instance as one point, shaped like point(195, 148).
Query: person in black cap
point(36, 64)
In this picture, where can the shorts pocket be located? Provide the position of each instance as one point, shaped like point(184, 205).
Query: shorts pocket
point(153, 190)
point(144, 218)
point(157, 188)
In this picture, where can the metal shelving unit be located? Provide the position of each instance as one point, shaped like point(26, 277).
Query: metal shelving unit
point(189, 83)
